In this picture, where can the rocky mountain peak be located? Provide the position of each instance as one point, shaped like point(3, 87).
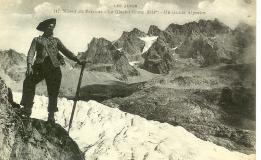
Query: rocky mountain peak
point(131, 44)
point(11, 51)
point(12, 56)
point(214, 26)
point(210, 27)
point(154, 30)
point(13, 64)
point(99, 42)
point(132, 34)
point(173, 27)
point(107, 57)
point(137, 32)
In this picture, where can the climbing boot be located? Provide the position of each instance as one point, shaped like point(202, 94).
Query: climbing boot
point(26, 112)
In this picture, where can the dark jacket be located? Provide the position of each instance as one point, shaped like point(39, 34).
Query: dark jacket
point(48, 46)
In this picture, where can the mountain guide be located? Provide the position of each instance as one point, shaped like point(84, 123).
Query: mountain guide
point(46, 66)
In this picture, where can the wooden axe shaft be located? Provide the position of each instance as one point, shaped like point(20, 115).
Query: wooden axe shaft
point(76, 97)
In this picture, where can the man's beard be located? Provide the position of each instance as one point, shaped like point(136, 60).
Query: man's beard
point(49, 32)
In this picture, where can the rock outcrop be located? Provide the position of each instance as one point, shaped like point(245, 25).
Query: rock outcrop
point(34, 139)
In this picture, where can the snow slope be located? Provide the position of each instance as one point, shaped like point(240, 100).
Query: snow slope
point(148, 42)
point(106, 133)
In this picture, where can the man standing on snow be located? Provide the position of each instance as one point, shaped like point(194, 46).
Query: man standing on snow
point(46, 65)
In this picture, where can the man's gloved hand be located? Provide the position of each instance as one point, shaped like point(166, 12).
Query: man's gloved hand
point(62, 61)
point(29, 70)
point(80, 62)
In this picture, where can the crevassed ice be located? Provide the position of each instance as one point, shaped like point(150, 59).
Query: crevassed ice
point(106, 133)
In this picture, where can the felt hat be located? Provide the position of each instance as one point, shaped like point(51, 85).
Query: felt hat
point(42, 25)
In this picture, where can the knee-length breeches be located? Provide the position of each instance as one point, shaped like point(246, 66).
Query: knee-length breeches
point(52, 75)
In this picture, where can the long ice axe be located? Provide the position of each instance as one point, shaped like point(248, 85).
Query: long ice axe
point(76, 96)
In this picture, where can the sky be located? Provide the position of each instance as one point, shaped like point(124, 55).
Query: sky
point(75, 27)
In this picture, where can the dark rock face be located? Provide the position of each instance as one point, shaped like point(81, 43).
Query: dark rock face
point(131, 44)
point(215, 104)
point(107, 58)
point(13, 64)
point(158, 59)
point(32, 138)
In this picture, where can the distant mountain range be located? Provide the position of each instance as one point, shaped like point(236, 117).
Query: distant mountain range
point(202, 43)
point(206, 41)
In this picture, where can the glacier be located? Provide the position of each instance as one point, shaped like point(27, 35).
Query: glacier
point(105, 133)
